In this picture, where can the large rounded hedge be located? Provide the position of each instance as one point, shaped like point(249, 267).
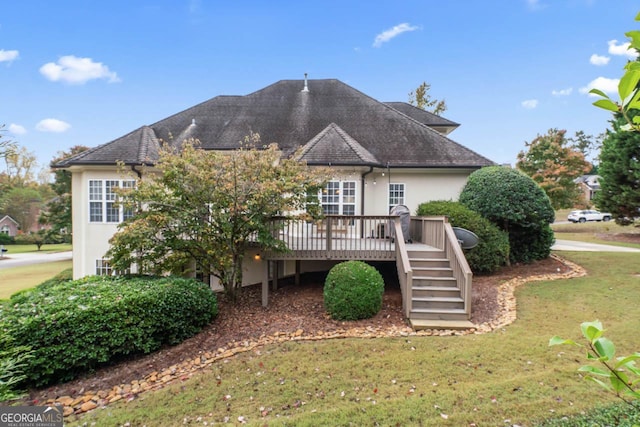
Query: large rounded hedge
point(353, 290)
point(492, 251)
point(76, 326)
point(516, 204)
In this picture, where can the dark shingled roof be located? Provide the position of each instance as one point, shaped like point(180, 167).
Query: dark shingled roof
point(421, 115)
point(335, 123)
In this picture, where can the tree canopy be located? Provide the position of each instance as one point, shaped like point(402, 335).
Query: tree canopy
point(554, 164)
point(422, 99)
point(210, 207)
point(619, 172)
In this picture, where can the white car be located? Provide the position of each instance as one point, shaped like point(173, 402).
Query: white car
point(588, 215)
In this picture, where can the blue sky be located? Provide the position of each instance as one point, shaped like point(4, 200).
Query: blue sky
point(84, 73)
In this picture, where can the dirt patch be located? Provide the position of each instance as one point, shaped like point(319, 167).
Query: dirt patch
point(291, 308)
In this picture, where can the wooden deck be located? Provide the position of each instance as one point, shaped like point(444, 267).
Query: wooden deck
point(434, 276)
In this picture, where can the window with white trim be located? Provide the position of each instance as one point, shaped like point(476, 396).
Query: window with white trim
point(396, 195)
point(103, 268)
point(4, 229)
point(339, 198)
point(103, 200)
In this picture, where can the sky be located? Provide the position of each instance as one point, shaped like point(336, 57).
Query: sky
point(81, 72)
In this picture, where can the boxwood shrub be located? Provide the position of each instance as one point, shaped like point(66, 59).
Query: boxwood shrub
point(353, 290)
point(76, 326)
point(492, 251)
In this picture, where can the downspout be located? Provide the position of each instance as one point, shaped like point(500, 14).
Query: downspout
point(133, 168)
point(363, 176)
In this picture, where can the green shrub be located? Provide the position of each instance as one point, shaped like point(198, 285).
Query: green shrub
point(5, 239)
point(492, 251)
point(76, 326)
point(12, 364)
point(516, 204)
point(353, 290)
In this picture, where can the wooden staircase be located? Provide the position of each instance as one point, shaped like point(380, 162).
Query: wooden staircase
point(436, 299)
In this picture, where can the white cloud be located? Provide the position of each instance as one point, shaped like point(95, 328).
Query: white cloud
point(17, 129)
point(52, 125)
point(8, 55)
point(599, 59)
point(562, 92)
point(534, 4)
point(530, 104)
point(622, 49)
point(387, 35)
point(74, 70)
point(607, 85)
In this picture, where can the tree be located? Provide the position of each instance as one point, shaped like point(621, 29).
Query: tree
point(20, 165)
point(210, 207)
point(554, 165)
point(588, 145)
point(421, 99)
point(628, 89)
point(31, 238)
point(619, 170)
point(7, 146)
point(22, 204)
point(516, 204)
point(58, 210)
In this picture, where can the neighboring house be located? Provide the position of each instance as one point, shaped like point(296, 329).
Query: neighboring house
point(8, 226)
point(383, 154)
point(589, 184)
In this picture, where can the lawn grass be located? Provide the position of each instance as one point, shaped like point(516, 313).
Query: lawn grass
point(507, 377)
point(19, 249)
point(591, 231)
point(16, 279)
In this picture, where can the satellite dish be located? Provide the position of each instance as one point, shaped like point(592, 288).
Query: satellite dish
point(467, 239)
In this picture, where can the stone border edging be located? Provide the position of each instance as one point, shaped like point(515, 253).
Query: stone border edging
point(184, 370)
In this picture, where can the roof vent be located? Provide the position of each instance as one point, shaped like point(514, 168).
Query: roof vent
point(193, 122)
point(305, 88)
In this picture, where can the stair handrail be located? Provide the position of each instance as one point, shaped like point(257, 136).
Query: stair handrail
point(461, 270)
point(405, 273)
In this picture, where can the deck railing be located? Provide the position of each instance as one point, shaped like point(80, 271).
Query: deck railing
point(437, 232)
point(405, 273)
point(365, 237)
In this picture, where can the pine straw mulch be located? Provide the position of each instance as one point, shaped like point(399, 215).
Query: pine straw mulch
point(295, 310)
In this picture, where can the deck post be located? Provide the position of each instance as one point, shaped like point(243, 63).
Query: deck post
point(276, 273)
point(265, 283)
point(297, 272)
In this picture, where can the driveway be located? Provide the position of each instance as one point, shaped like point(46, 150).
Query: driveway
point(29, 258)
point(571, 245)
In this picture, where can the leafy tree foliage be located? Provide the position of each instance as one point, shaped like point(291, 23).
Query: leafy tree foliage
point(620, 173)
point(31, 238)
point(554, 165)
point(209, 207)
point(19, 167)
point(21, 204)
point(7, 146)
point(421, 99)
point(516, 204)
point(58, 210)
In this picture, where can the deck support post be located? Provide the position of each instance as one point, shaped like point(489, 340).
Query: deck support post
point(276, 273)
point(297, 272)
point(265, 283)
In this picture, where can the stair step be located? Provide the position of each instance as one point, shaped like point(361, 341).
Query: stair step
point(439, 302)
point(419, 324)
point(433, 271)
point(435, 292)
point(438, 314)
point(422, 281)
point(434, 254)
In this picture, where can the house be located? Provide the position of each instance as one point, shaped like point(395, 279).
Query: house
point(8, 226)
point(589, 184)
point(383, 155)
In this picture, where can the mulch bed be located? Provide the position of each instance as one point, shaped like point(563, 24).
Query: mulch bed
point(291, 308)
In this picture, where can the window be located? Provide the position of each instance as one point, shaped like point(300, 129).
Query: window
point(103, 200)
point(103, 268)
point(4, 229)
point(339, 198)
point(396, 195)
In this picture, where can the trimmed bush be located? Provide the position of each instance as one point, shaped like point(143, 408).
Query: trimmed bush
point(76, 326)
point(353, 290)
point(516, 204)
point(492, 251)
point(5, 239)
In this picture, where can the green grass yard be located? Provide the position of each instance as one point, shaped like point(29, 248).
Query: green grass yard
point(507, 377)
point(16, 279)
